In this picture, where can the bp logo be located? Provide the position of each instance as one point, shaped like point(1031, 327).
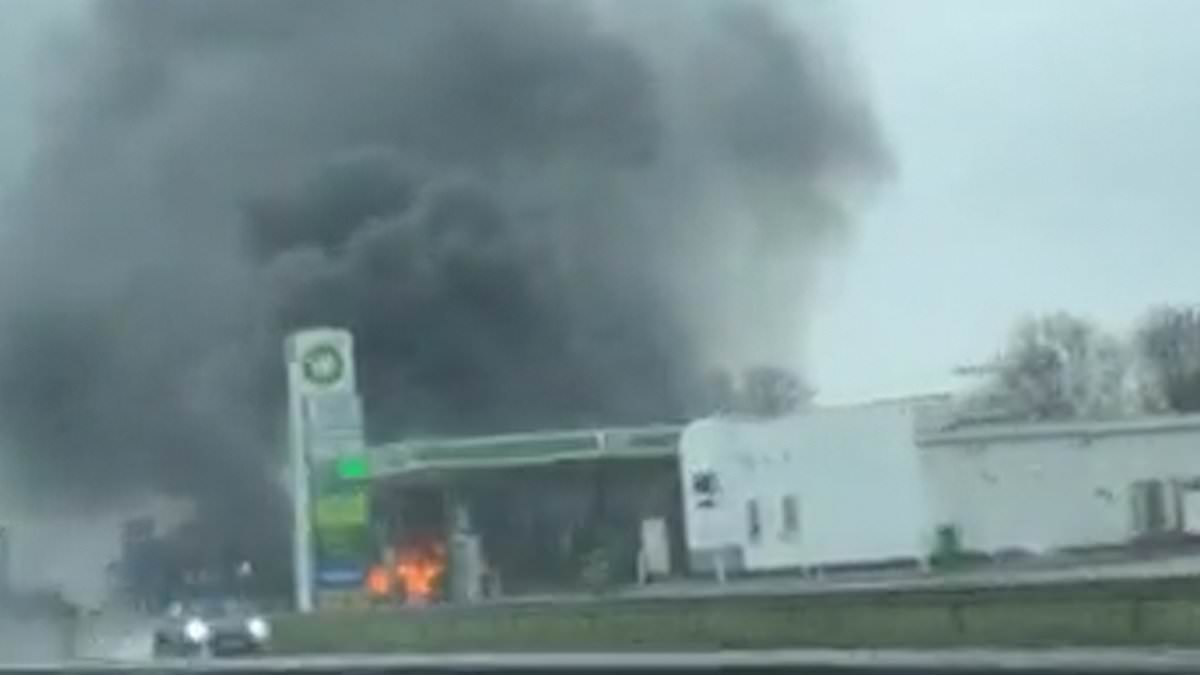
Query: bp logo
point(323, 365)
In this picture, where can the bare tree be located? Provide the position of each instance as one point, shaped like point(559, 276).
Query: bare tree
point(1168, 343)
point(771, 391)
point(1059, 366)
point(765, 391)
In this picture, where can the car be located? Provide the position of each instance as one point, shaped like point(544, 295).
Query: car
point(211, 627)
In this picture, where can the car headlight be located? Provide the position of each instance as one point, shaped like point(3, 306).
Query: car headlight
point(258, 628)
point(197, 631)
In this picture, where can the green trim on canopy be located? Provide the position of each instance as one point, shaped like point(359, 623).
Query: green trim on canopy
point(512, 450)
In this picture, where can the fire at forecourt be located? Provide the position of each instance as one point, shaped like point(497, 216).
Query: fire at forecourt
point(327, 440)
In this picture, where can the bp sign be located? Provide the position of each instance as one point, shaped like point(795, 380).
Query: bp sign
point(323, 365)
point(341, 525)
point(342, 510)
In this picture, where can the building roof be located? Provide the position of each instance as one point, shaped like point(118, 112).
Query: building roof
point(530, 449)
point(662, 441)
point(977, 433)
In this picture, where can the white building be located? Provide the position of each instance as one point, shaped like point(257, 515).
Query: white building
point(1040, 487)
point(874, 483)
point(835, 486)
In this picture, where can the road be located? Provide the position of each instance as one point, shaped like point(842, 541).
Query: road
point(791, 660)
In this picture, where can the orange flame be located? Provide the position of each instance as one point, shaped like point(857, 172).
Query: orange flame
point(379, 582)
point(419, 568)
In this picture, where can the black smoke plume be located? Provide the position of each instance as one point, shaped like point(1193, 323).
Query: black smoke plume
point(532, 214)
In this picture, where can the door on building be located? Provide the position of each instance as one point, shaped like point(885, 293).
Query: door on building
point(656, 549)
point(1189, 498)
point(1150, 514)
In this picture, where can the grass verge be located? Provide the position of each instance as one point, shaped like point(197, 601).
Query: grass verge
point(1158, 612)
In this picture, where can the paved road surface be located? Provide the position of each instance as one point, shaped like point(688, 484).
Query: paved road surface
point(1061, 660)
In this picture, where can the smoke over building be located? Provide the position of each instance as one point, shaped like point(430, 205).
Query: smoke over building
point(530, 214)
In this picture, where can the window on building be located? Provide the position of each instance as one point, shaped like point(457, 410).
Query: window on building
point(753, 521)
point(706, 486)
point(791, 516)
point(1149, 507)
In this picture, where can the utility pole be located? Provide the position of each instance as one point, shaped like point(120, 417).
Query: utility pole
point(302, 545)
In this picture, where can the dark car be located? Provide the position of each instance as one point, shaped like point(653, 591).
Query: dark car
point(211, 626)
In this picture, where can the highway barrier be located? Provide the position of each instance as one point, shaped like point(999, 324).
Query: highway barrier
point(1108, 613)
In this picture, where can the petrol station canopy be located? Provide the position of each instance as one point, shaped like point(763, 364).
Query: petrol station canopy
point(439, 456)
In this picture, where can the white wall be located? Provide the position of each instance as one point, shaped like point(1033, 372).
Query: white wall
point(872, 484)
point(854, 471)
point(1053, 487)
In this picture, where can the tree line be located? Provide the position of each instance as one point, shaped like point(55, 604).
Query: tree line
point(1061, 366)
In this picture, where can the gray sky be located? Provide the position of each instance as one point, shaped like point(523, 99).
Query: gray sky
point(24, 24)
point(1049, 159)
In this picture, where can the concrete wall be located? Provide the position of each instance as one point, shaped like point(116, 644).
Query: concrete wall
point(853, 471)
point(1053, 486)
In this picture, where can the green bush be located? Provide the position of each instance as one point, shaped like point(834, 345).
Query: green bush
point(596, 570)
point(948, 551)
